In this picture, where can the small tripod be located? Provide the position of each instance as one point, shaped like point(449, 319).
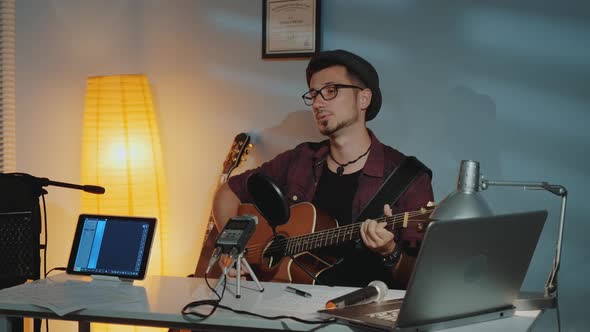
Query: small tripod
point(237, 259)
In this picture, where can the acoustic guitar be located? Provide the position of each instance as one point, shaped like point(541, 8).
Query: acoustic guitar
point(238, 152)
point(308, 230)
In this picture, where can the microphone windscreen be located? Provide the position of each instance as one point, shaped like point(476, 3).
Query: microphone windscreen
point(381, 288)
point(93, 189)
point(375, 291)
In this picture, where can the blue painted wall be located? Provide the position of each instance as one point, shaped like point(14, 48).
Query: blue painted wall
point(502, 82)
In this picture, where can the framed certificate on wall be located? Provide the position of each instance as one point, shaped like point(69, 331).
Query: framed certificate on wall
point(290, 28)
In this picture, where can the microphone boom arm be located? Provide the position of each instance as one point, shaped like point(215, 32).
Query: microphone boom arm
point(44, 182)
point(87, 188)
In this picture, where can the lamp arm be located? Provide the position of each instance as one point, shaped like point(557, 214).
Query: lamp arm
point(552, 188)
point(551, 285)
point(559, 190)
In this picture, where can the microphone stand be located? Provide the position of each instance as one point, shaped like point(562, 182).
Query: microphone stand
point(237, 259)
point(38, 184)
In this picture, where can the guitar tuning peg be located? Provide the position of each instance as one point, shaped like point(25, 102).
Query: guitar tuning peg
point(243, 159)
point(247, 151)
point(250, 145)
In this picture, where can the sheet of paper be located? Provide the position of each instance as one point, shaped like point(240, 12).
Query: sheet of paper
point(69, 296)
point(299, 304)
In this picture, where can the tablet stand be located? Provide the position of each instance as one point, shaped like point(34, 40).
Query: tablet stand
point(99, 277)
point(238, 260)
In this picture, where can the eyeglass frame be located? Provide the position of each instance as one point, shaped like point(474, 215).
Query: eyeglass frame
point(319, 92)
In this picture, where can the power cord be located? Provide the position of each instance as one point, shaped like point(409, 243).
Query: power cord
point(55, 269)
point(216, 304)
point(212, 302)
point(44, 246)
point(37, 322)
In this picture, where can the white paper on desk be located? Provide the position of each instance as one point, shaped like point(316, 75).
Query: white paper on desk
point(69, 296)
point(298, 304)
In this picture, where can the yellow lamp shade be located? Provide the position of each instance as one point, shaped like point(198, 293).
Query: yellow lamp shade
point(121, 151)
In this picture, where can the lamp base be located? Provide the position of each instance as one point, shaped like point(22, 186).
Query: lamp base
point(534, 301)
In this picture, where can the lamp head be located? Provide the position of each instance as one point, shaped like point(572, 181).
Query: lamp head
point(465, 202)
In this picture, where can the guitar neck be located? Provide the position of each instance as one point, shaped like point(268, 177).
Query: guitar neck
point(339, 235)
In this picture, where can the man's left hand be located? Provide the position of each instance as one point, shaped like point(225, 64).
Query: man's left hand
point(376, 237)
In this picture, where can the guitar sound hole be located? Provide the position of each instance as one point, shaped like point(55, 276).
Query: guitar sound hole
point(275, 251)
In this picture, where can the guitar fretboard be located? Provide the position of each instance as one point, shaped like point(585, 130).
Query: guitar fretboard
point(338, 235)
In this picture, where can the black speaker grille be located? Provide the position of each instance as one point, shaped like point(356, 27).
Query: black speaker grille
point(19, 246)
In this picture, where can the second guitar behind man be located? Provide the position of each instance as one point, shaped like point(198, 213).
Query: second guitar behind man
point(341, 174)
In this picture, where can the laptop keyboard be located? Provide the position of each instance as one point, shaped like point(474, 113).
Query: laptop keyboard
point(388, 315)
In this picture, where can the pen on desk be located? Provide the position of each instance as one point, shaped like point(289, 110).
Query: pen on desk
point(297, 291)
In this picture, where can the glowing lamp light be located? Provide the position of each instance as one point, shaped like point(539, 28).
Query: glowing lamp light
point(121, 151)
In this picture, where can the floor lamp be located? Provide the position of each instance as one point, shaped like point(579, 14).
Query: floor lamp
point(122, 151)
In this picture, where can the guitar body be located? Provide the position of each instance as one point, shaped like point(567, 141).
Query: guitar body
point(307, 231)
point(305, 219)
point(240, 148)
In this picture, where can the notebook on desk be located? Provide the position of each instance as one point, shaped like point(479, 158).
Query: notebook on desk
point(112, 246)
point(467, 271)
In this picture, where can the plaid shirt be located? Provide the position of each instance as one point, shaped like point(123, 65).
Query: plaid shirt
point(297, 172)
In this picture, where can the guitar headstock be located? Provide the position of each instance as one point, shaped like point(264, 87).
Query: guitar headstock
point(239, 150)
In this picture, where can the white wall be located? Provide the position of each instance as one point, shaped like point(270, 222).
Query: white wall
point(502, 83)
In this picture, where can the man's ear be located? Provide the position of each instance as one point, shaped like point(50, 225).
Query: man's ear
point(365, 98)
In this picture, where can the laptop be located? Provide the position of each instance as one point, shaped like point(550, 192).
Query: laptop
point(116, 247)
point(467, 271)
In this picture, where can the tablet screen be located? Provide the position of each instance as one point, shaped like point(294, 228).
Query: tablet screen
point(112, 246)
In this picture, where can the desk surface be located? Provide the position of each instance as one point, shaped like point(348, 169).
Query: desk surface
point(159, 300)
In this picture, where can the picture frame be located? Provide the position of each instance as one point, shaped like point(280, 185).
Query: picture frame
point(290, 28)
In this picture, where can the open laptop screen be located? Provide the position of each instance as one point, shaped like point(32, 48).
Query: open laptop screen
point(112, 246)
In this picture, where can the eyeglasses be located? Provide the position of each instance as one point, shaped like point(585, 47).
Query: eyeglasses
point(328, 92)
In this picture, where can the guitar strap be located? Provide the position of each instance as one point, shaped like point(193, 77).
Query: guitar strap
point(396, 183)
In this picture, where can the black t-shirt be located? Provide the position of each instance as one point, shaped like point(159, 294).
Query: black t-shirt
point(357, 265)
point(334, 194)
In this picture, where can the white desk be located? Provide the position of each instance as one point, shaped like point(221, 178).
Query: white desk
point(160, 300)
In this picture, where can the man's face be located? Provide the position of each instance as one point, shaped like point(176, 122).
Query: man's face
point(342, 111)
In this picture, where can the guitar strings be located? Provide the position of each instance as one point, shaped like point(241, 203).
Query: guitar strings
point(351, 229)
point(321, 239)
point(325, 235)
point(300, 243)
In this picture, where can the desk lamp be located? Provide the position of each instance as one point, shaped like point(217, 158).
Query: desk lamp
point(466, 202)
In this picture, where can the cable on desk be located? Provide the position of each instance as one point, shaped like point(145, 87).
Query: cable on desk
point(216, 304)
point(55, 269)
point(212, 302)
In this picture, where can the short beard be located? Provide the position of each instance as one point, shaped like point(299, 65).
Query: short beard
point(327, 131)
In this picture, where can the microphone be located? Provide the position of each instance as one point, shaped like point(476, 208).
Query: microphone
point(375, 291)
point(87, 188)
point(44, 182)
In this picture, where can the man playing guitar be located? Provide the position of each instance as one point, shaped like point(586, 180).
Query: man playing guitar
point(341, 174)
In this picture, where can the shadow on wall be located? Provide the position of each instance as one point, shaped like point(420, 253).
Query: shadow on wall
point(465, 129)
point(296, 128)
